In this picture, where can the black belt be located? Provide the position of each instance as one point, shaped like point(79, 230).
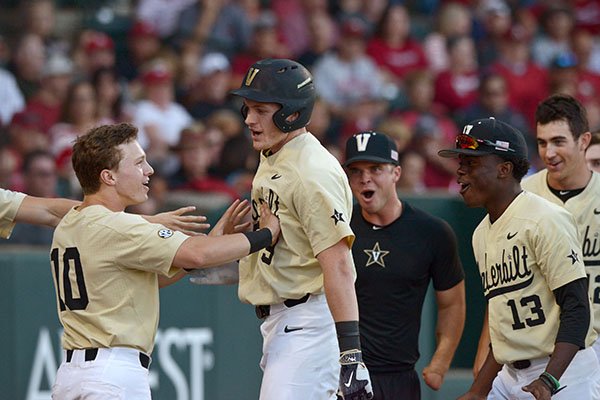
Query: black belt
point(91, 354)
point(521, 364)
point(263, 312)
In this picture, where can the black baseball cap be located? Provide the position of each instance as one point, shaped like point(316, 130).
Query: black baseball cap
point(371, 146)
point(488, 136)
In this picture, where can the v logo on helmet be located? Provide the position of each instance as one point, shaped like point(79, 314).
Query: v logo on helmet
point(362, 140)
point(251, 75)
point(467, 129)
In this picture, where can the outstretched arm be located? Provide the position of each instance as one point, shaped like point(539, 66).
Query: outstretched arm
point(450, 323)
point(43, 211)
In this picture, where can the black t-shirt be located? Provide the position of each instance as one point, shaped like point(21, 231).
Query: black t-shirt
point(394, 266)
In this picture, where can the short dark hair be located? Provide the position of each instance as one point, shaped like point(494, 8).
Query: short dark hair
point(595, 138)
point(97, 150)
point(520, 166)
point(30, 157)
point(562, 107)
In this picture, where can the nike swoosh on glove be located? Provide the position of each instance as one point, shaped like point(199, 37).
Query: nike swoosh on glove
point(355, 382)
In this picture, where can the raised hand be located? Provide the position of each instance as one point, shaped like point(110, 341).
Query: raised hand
point(231, 221)
point(192, 225)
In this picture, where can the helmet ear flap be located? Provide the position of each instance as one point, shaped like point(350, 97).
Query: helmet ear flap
point(244, 110)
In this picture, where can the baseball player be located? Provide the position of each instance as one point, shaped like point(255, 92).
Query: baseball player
point(398, 251)
point(19, 207)
point(529, 258)
point(303, 287)
point(108, 266)
point(563, 137)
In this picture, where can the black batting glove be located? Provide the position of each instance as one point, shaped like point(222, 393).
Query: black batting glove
point(355, 383)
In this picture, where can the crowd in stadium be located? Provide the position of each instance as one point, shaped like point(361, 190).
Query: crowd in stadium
point(415, 70)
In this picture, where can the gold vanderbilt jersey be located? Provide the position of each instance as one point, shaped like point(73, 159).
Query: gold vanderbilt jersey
point(105, 267)
point(306, 187)
point(585, 208)
point(9, 205)
point(523, 256)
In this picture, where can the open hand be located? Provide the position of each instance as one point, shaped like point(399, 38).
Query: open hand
point(191, 225)
point(231, 221)
point(269, 220)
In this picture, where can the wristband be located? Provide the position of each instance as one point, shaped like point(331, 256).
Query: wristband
point(259, 239)
point(348, 335)
point(550, 381)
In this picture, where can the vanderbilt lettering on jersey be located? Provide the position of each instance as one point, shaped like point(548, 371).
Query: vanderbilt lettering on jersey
point(510, 274)
point(585, 209)
point(307, 189)
point(527, 253)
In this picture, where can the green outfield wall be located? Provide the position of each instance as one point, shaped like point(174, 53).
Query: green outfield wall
point(208, 344)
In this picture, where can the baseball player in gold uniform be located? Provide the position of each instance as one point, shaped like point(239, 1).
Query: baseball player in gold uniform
point(563, 136)
point(303, 287)
point(108, 266)
point(529, 258)
point(19, 207)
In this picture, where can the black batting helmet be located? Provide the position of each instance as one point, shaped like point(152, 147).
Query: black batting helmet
point(284, 82)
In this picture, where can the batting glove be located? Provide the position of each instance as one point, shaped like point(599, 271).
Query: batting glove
point(355, 383)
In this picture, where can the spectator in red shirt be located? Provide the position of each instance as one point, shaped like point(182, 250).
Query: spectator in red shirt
point(265, 43)
point(198, 149)
point(457, 86)
point(393, 49)
point(527, 82)
point(47, 102)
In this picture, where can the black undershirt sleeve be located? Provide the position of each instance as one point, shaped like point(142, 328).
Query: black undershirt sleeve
point(574, 312)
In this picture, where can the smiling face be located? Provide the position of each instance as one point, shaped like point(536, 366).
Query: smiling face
point(563, 155)
point(373, 185)
point(132, 175)
point(478, 177)
point(265, 134)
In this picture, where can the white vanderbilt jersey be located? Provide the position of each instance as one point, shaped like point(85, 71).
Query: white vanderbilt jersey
point(9, 205)
point(105, 267)
point(585, 208)
point(523, 256)
point(306, 187)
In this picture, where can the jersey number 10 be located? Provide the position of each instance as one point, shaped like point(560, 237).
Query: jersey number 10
point(70, 259)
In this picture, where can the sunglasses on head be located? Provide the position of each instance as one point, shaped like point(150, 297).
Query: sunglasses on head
point(469, 142)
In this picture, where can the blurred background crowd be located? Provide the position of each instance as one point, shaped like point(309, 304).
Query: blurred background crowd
point(417, 70)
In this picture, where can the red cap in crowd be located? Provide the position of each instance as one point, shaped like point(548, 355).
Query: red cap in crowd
point(98, 41)
point(158, 73)
point(142, 29)
point(354, 27)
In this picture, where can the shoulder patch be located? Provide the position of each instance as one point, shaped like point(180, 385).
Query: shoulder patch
point(165, 233)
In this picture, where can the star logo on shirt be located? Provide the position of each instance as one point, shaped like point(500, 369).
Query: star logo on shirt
point(376, 255)
point(337, 216)
point(573, 256)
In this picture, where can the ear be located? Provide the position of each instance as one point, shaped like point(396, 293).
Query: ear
point(505, 169)
point(106, 177)
point(291, 118)
point(584, 140)
point(397, 171)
